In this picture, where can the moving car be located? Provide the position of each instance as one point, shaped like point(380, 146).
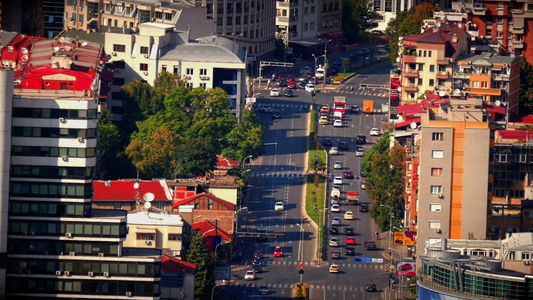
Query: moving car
point(278, 251)
point(279, 206)
point(350, 240)
point(302, 84)
point(349, 231)
point(343, 145)
point(336, 221)
point(263, 290)
point(250, 275)
point(363, 207)
point(335, 208)
point(349, 250)
point(355, 109)
point(405, 268)
point(258, 254)
point(334, 269)
point(337, 165)
point(265, 108)
point(335, 200)
point(274, 93)
point(327, 142)
point(290, 78)
point(325, 108)
point(370, 245)
point(302, 78)
point(257, 261)
point(257, 268)
point(370, 287)
point(360, 152)
point(305, 69)
point(323, 120)
point(276, 114)
point(289, 93)
point(291, 85)
point(348, 215)
point(361, 139)
point(336, 254)
point(374, 132)
point(334, 242)
point(333, 230)
point(310, 87)
point(363, 185)
point(333, 151)
point(337, 123)
point(324, 113)
point(348, 174)
point(337, 180)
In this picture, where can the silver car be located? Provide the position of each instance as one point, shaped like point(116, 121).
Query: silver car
point(334, 242)
point(336, 221)
point(333, 151)
point(337, 165)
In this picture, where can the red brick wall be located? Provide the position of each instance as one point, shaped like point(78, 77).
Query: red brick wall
point(527, 52)
point(225, 218)
point(514, 88)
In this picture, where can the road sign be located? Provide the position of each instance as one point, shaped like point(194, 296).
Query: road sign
point(362, 259)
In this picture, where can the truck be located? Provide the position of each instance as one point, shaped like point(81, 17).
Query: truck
point(320, 72)
point(339, 104)
point(352, 197)
point(368, 106)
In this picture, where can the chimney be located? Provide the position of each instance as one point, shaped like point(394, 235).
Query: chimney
point(188, 32)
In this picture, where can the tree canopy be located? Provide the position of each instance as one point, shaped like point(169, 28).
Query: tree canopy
point(205, 262)
point(526, 87)
point(357, 16)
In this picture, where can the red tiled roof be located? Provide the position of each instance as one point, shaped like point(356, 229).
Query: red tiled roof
point(444, 35)
point(224, 162)
point(408, 122)
point(207, 228)
point(416, 108)
point(493, 110)
point(125, 190)
point(171, 264)
point(211, 196)
point(523, 119)
point(516, 134)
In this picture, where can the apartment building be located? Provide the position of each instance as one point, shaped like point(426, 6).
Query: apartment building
point(389, 9)
point(454, 173)
point(56, 245)
point(297, 20)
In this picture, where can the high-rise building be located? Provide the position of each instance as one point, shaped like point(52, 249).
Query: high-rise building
point(57, 245)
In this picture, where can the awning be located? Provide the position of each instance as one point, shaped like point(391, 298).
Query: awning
point(518, 22)
point(311, 42)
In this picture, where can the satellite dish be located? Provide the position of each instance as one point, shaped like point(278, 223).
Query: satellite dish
point(62, 39)
point(399, 89)
point(136, 185)
point(442, 93)
point(148, 197)
point(497, 102)
point(147, 205)
point(84, 44)
point(413, 125)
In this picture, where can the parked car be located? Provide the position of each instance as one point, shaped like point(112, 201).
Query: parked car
point(310, 88)
point(335, 208)
point(278, 251)
point(349, 231)
point(276, 114)
point(249, 275)
point(337, 165)
point(363, 207)
point(334, 269)
point(335, 254)
point(349, 250)
point(370, 245)
point(333, 151)
point(348, 215)
point(361, 139)
point(337, 180)
point(334, 242)
point(348, 174)
point(289, 93)
point(327, 142)
point(363, 185)
point(343, 145)
point(274, 93)
point(360, 152)
point(350, 240)
point(374, 132)
point(279, 206)
point(336, 221)
point(337, 123)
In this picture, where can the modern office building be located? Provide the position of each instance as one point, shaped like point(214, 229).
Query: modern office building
point(389, 9)
point(56, 245)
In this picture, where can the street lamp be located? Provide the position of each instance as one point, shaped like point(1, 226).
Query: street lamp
point(390, 223)
point(213, 291)
point(300, 244)
point(244, 160)
point(234, 38)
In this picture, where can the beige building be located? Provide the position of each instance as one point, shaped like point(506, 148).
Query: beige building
point(454, 172)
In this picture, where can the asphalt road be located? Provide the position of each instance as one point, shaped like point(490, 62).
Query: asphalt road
point(278, 176)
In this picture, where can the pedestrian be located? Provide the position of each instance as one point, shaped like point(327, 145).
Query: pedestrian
point(268, 83)
point(351, 89)
point(377, 234)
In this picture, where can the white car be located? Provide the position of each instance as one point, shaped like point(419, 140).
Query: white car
point(250, 275)
point(334, 269)
point(333, 151)
point(360, 151)
point(334, 242)
point(374, 132)
point(337, 165)
point(309, 87)
point(279, 206)
point(337, 123)
point(274, 93)
point(335, 208)
point(337, 180)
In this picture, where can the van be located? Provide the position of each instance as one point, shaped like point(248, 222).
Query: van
point(337, 115)
point(319, 73)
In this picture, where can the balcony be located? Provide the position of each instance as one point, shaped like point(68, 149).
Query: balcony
point(479, 9)
point(410, 87)
point(443, 75)
point(409, 58)
point(485, 92)
point(461, 75)
point(410, 73)
point(443, 62)
point(284, 20)
point(517, 44)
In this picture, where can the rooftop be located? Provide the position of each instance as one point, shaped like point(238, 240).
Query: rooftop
point(130, 190)
point(155, 218)
point(214, 49)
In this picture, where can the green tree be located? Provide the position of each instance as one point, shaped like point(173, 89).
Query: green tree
point(408, 22)
point(245, 139)
point(205, 262)
point(346, 63)
point(357, 16)
point(194, 157)
point(526, 87)
point(379, 148)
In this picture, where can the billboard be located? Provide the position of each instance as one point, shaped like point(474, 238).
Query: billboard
point(407, 238)
point(406, 268)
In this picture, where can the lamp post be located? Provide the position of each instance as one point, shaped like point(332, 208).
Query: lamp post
point(244, 160)
point(213, 291)
point(300, 244)
point(234, 38)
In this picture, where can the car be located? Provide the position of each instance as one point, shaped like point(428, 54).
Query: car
point(257, 268)
point(337, 186)
point(349, 231)
point(336, 254)
point(310, 87)
point(348, 215)
point(324, 113)
point(305, 69)
point(265, 108)
point(309, 75)
point(257, 261)
point(282, 82)
point(335, 200)
point(325, 108)
point(405, 268)
point(337, 165)
point(370, 245)
point(348, 174)
point(302, 77)
point(323, 120)
point(290, 78)
point(361, 139)
point(278, 251)
point(360, 152)
point(291, 85)
point(327, 142)
point(343, 145)
point(335, 221)
point(370, 287)
point(289, 93)
point(363, 207)
point(302, 84)
point(276, 114)
point(334, 242)
point(258, 254)
point(333, 151)
point(334, 269)
point(274, 93)
point(335, 192)
point(355, 109)
point(337, 180)
point(335, 208)
point(249, 275)
point(333, 230)
point(350, 240)
point(349, 250)
point(363, 185)
point(263, 290)
point(337, 123)
point(374, 132)
point(279, 206)
point(312, 80)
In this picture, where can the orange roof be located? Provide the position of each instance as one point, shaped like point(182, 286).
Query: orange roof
point(207, 228)
point(171, 264)
point(210, 196)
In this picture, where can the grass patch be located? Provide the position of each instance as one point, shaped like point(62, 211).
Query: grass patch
point(314, 204)
point(315, 148)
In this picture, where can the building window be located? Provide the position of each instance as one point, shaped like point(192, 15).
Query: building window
point(144, 67)
point(429, 53)
point(512, 229)
point(499, 193)
point(409, 166)
point(119, 48)
point(437, 154)
point(190, 71)
point(435, 207)
point(436, 171)
point(168, 16)
point(159, 15)
point(229, 21)
point(432, 68)
point(437, 136)
point(501, 158)
point(484, 84)
point(420, 81)
point(203, 72)
point(475, 84)
point(118, 205)
point(312, 26)
point(526, 256)
point(523, 158)
point(421, 67)
point(312, 9)
point(204, 85)
point(431, 82)
point(160, 205)
point(436, 189)
point(434, 224)
point(144, 50)
point(516, 193)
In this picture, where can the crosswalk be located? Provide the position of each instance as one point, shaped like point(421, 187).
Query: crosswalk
point(278, 175)
point(343, 265)
point(287, 105)
point(281, 285)
point(384, 94)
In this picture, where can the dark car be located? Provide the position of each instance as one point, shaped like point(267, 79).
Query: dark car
point(361, 139)
point(276, 114)
point(370, 245)
point(333, 230)
point(257, 261)
point(349, 250)
point(343, 145)
point(257, 268)
point(289, 93)
point(371, 287)
point(282, 82)
point(263, 290)
point(348, 174)
point(363, 207)
point(290, 78)
point(355, 109)
point(348, 231)
point(327, 142)
point(336, 254)
point(258, 254)
point(324, 113)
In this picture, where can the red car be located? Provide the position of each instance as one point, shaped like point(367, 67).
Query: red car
point(278, 252)
point(406, 268)
point(350, 240)
point(258, 254)
point(291, 85)
point(290, 78)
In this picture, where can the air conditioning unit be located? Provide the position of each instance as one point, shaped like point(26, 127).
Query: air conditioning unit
point(147, 242)
point(69, 234)
point(67, 273)
point(91, 274)
point(62, 120)
point(72, 253)
point(100, 255)
point(440, 196)
point(526, 262)
point(106, 274)
point(58, 273)
point(437, 230)
point(413, 222)
point(114, 53)
point(145, 73)
point(80, 139)
point(129, 294)
point(188, 77)
point(32, 233)
point(64, 158)
point(146, 56)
